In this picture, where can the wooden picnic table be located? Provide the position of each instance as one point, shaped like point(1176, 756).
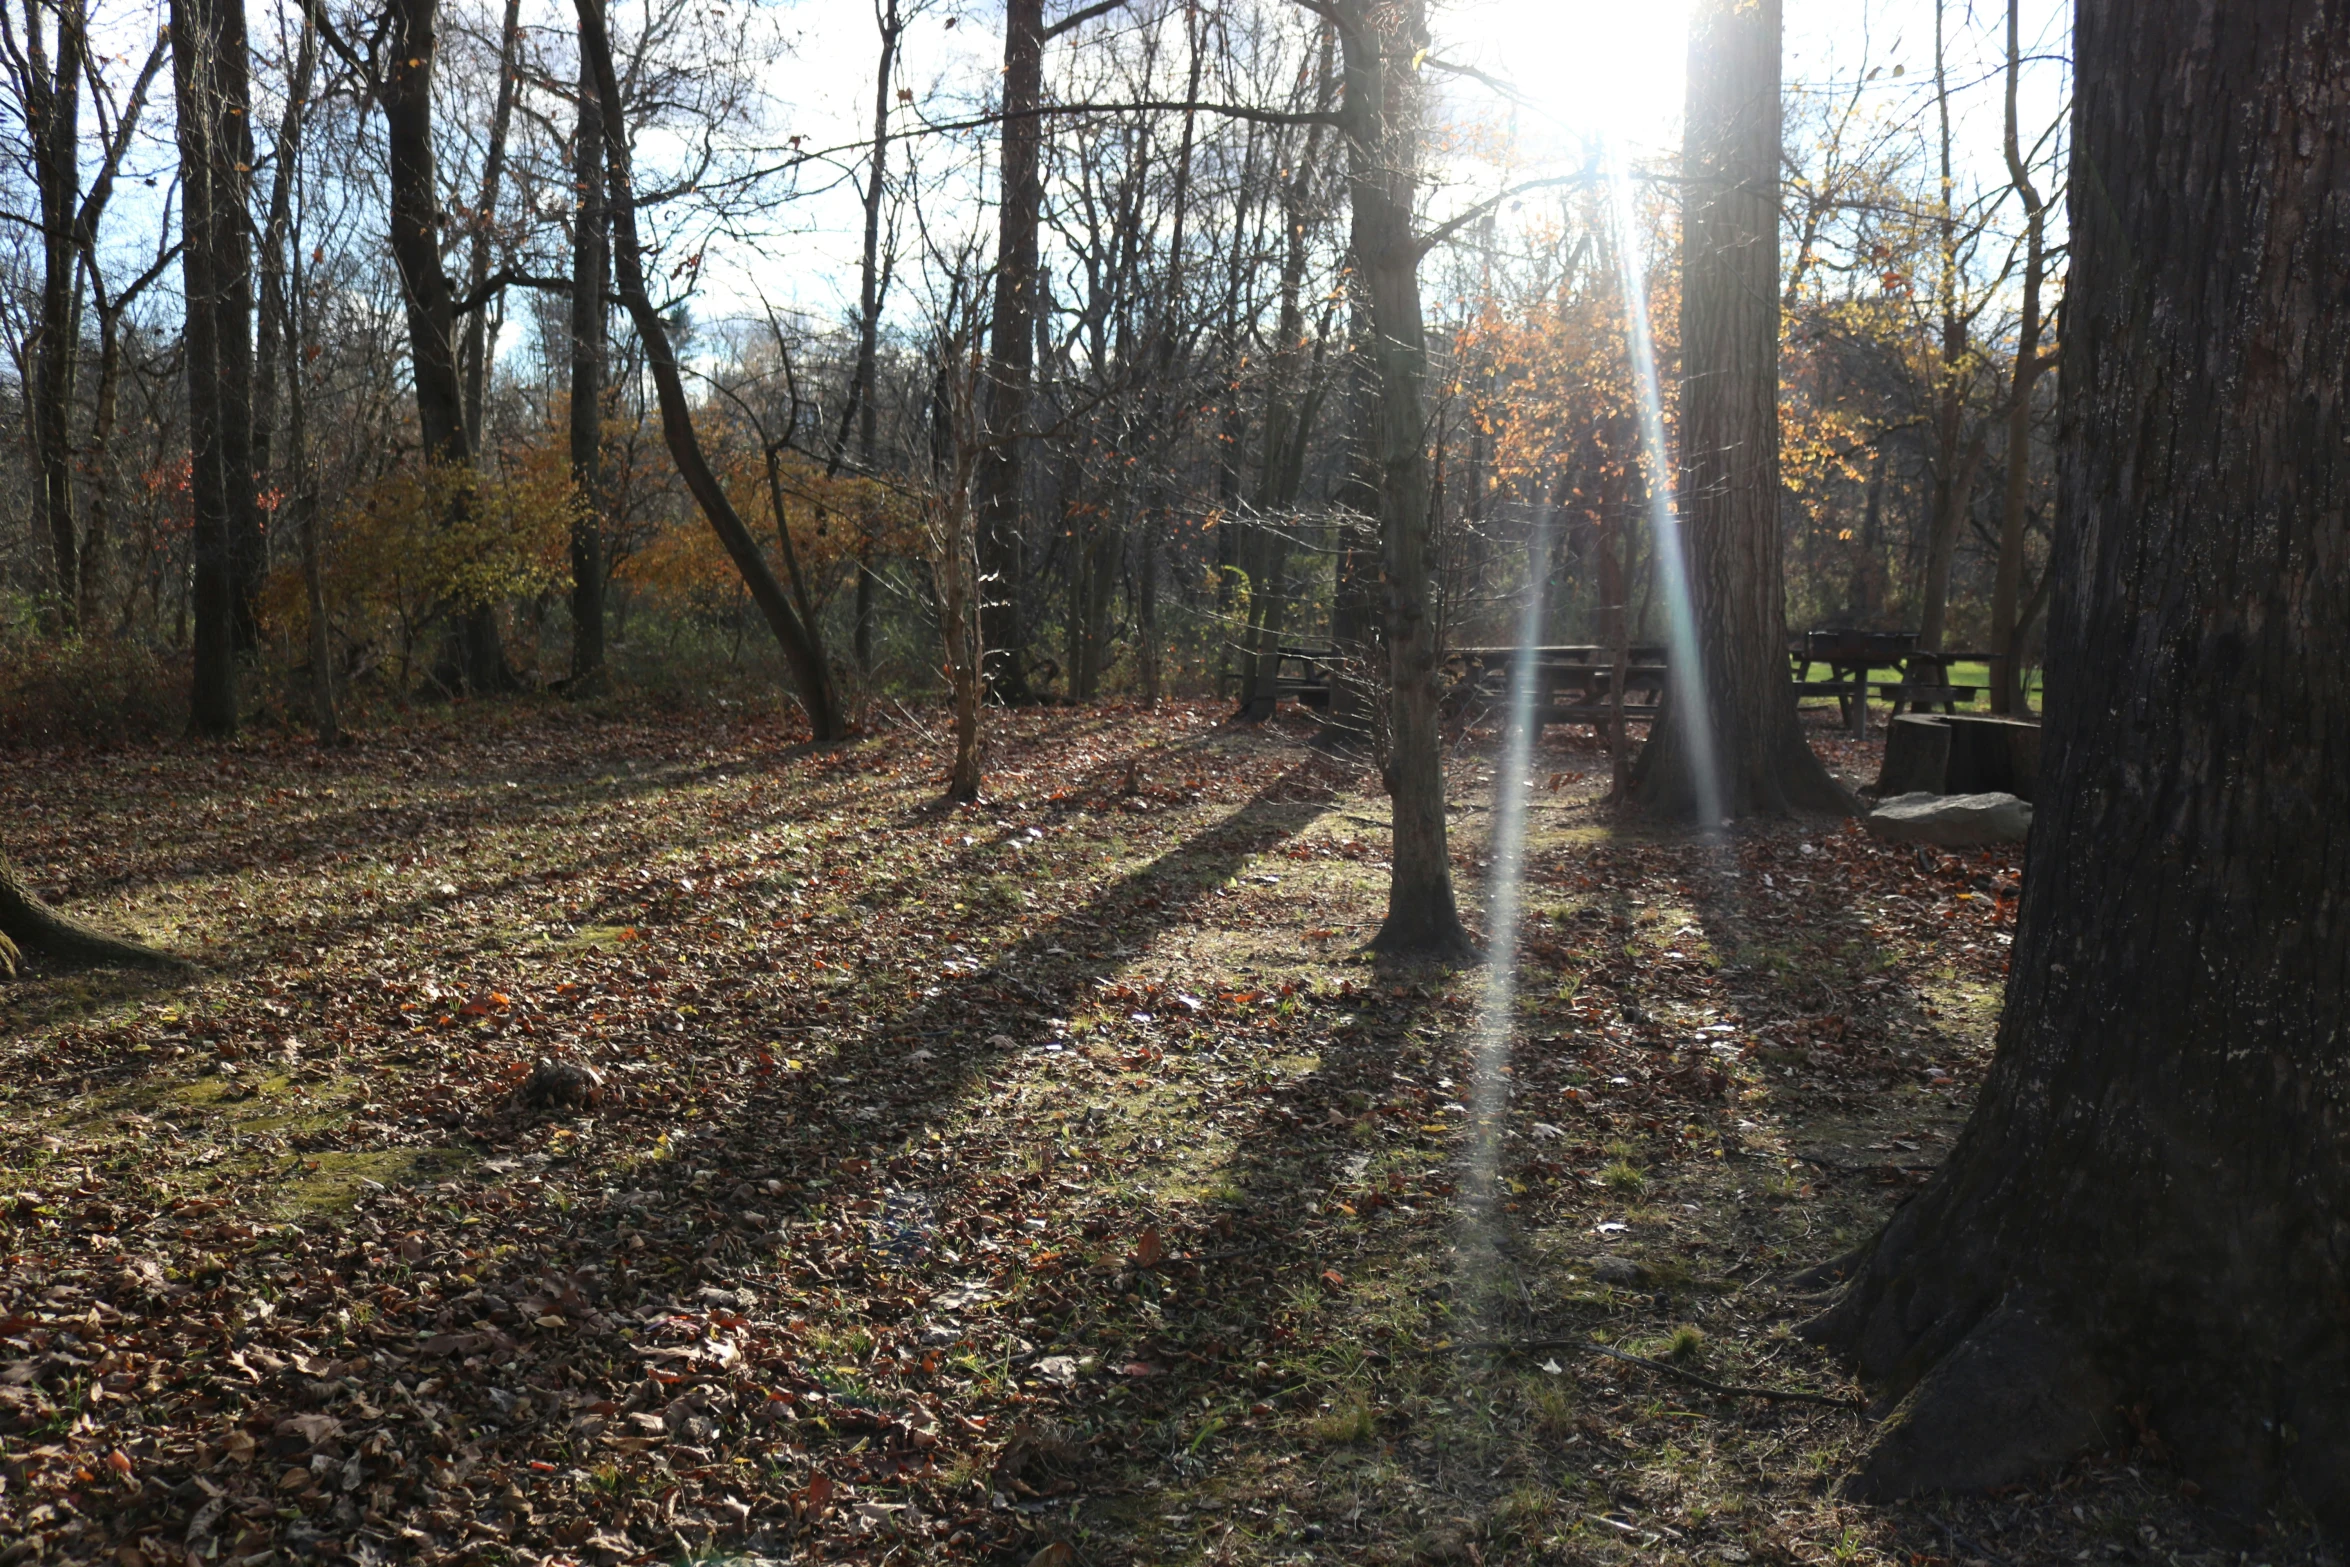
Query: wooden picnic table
point(1851, 656)
point(1574, 682)
point(1575, 679)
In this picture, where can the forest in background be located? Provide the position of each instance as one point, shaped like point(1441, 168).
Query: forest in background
point(1185, 477)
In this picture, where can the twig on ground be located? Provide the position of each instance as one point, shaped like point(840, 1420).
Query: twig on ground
point(1726, 1389)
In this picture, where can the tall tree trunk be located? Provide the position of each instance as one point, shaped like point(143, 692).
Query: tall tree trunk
point(1730, 447)
point(2007, 627)
point(1011, 357)
point(1956, 458)
point(325, 718)
point(97, 550)
point(1382, 44)
point(1615, 625)
point(802, 651)
point(1868, 571)
point(1162, 417)
point(53, 102)
point(477, 660)
point(474, 353)
point(590, 279)
point(209, 76)
point(2144, 1211)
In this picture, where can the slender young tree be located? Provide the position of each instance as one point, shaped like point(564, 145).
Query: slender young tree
point(280, 336)
point(1958, 456)
point(1291, 403)
point(798, 639)
point(473, 354)
point(889, 19)
point(2141, 1222)
point(2008, 623)
point(1730, 446)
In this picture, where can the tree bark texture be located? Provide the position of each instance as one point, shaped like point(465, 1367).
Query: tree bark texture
point(1729, 503)
point(1381, 111)
point(2145, 1211)
point(803, 653)
point(209, 87)
point(53, 105)
point(591, 268)
point(477, 659)
point(1011, 357)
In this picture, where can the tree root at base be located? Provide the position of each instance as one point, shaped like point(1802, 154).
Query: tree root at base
point(26, 923)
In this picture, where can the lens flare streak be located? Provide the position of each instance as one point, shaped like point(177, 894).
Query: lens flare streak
point(1688, 696)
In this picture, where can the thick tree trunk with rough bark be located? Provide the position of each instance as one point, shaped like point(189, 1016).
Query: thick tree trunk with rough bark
point(590, 277)
point(53, 102)
point(476, 660)
point(209, 89)
point(1760, 762)
point(1011, 357)
point(2144, 1217)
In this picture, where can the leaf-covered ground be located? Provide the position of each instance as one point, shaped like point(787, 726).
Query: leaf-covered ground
point(624, 1139)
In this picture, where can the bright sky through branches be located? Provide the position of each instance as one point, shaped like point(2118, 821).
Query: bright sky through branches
point(1577, 69)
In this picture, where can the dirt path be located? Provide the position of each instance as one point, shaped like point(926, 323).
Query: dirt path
point(626, 1141)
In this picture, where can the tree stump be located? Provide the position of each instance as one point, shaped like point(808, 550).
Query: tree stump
point(1917, 756)
point(1992, 753)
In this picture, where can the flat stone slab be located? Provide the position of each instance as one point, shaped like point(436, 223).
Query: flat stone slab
point(1952, 821)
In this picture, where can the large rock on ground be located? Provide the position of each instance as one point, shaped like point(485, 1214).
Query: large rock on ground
point(1954, 821)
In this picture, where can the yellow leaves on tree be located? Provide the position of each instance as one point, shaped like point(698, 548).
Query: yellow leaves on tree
point(429, 538)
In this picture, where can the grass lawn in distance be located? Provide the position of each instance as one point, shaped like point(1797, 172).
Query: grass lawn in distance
point(1974, 672)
